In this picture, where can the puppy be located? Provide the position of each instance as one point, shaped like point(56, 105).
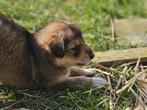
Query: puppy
point(46, 58)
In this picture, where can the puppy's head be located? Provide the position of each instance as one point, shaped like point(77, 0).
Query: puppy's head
point(65, 42)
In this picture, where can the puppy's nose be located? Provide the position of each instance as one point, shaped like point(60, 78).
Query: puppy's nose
point(91, 54)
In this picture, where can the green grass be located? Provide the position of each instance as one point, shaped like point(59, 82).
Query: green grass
point(93, 16)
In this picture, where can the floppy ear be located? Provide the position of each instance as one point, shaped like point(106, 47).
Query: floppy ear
point(57, 47)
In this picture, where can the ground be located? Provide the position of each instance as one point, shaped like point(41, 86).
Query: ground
point(94, 18)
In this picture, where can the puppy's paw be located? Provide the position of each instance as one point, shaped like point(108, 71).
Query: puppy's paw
point(98, 82)
point(89, 72)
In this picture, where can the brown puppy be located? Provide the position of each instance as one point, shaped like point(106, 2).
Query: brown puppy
point(44, 58)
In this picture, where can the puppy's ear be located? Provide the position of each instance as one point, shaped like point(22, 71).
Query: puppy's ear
point(57, 47)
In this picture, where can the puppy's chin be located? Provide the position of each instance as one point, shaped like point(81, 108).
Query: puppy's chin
point(60, 63)
point(67, 61)
point(81, 64)
point(70, 65)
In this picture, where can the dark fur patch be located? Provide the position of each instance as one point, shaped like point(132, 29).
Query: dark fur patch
point(66, 42)
point(57, 48)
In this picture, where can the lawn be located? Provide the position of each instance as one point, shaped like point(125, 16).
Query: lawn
point(93, 16)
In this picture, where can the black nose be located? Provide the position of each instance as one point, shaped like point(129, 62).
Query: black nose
point(91, 54)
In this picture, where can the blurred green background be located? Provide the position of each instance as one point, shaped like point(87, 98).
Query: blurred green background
point(93, 16)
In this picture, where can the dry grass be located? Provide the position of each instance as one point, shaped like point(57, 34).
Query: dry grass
point(127, 90)
point(127, 78)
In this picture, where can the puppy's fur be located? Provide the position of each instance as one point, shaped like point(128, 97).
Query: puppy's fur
point(44, 58)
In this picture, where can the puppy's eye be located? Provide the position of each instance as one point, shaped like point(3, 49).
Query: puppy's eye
point(75, 50)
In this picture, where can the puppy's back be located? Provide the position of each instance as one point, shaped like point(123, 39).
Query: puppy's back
point(14, 52)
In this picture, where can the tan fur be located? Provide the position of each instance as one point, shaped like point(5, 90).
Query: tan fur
point(43, 58)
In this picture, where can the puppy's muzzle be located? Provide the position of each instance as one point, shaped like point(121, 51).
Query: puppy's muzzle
point(90, 53)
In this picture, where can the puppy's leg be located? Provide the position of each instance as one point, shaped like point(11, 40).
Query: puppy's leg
point(82, 81)
point(76, 71)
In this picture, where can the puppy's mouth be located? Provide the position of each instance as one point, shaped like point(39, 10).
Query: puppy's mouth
point(80, 64)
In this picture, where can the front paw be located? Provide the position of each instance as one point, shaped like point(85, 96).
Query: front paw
point(99, 82)
point(89, 72)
